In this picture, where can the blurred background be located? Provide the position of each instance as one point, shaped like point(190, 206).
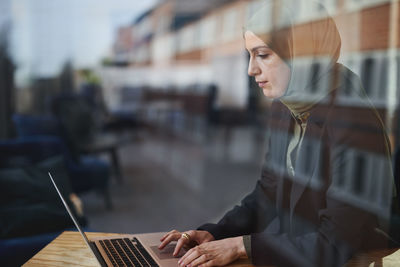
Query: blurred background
point(144, 111)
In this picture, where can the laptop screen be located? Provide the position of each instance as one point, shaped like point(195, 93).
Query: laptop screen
point(70, 212)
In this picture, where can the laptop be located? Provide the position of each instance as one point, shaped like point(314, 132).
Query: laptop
point(126, 250)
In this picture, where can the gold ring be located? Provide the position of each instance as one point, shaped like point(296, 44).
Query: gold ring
point(186, 235)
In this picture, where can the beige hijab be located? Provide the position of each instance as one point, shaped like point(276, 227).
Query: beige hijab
point(310, 47)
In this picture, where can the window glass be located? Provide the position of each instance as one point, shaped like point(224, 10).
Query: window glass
point(208, 28)
point(229, 25)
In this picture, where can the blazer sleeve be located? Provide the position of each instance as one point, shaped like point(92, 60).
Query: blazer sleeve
point(252, 215)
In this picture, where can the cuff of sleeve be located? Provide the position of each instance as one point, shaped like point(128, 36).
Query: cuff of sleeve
point(247, 245)
point(213, 229)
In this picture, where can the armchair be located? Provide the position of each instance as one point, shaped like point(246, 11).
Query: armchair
point(85, 172)
point(30, 210)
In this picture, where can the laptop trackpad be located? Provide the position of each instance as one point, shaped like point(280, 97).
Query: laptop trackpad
point(166, 253)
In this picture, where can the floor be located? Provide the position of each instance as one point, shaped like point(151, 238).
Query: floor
point(179, 181)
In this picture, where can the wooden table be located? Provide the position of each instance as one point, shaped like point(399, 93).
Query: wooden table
point(69, 249)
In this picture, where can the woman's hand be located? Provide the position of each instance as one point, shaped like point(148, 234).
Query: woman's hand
point(215, 253)
point(193, 238)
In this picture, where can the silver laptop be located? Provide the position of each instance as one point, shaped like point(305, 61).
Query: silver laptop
point(126, 250)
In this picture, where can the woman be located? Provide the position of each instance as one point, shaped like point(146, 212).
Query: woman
point(313, 205)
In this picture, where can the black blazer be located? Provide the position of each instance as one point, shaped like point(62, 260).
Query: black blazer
point(333, 206)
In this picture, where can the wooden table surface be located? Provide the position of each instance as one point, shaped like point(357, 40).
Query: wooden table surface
point(69, 249)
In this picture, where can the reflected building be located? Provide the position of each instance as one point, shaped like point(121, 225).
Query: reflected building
point(168, 40)
point(350, 162)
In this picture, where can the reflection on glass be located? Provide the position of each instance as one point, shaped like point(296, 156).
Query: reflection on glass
point(326, 187)
point(302, 92)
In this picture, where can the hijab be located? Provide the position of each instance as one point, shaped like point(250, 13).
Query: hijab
point(313, 45)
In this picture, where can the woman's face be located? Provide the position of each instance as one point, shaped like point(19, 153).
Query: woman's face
point(270, 72)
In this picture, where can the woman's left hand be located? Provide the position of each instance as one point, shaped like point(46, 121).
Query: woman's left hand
point(214, 253)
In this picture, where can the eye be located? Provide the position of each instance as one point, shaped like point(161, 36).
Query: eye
point(263, 56)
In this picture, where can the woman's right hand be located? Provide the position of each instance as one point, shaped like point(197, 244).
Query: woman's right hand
point(192, 239)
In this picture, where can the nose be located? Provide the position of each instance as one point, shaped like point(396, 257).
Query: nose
point(253, 68)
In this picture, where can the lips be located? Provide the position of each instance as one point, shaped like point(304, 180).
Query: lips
point(262, 83)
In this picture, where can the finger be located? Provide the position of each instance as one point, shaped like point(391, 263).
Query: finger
point(168, 239)
point(167, 234)
point(191, 233)
point(199, 260)
point(208, 264)
point(182, 259)
point(193, 237)
point(179, 245)
point(189, 257)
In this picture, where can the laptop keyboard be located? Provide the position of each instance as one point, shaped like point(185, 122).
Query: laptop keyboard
point(127, 252)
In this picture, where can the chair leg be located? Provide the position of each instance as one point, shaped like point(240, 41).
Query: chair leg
point(107, 198)
point(116, 165)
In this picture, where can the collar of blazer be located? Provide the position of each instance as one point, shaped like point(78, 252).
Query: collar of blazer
point(316, 121)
